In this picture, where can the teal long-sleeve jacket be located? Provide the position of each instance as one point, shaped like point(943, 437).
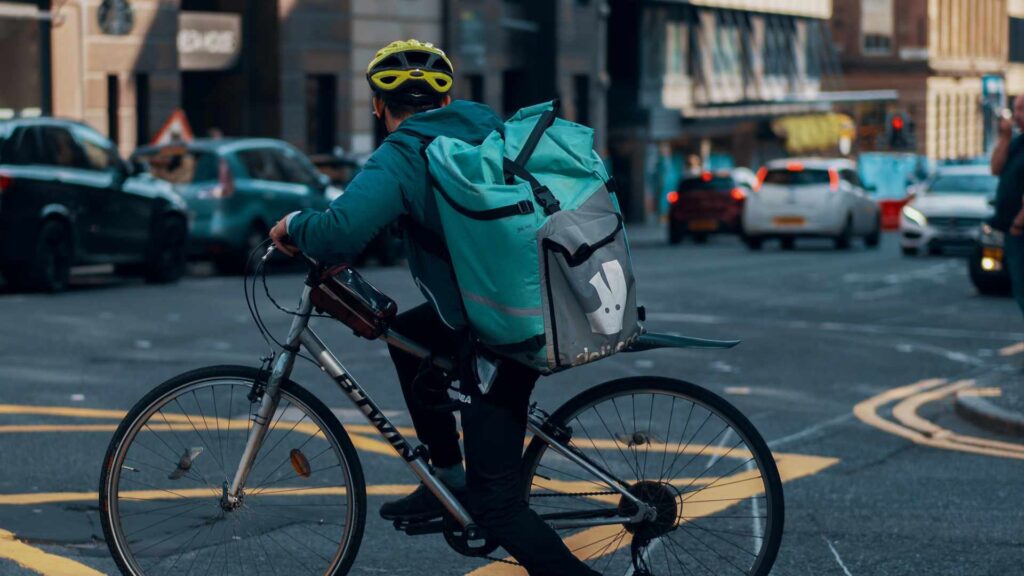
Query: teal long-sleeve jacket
point(395, 184)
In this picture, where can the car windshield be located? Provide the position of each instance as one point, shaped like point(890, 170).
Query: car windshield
point(788, 177)
point(980, 184)
point(180, 165)
point(716, 183)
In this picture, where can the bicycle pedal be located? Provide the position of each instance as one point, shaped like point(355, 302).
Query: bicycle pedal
point(420, 527)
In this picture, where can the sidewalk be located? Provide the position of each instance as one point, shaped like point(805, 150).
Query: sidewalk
point(996, 403)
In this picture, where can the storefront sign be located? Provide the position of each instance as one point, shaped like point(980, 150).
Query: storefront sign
point(208, 40)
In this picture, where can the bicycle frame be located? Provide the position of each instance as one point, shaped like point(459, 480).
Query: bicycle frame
point(300, 335)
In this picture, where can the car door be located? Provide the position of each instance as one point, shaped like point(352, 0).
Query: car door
point(862, 206)
point(75, 186)
point(127, 212)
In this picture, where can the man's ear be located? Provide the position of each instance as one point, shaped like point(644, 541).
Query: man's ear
point(378, 107)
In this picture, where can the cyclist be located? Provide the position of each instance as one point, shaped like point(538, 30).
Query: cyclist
point(411, 83)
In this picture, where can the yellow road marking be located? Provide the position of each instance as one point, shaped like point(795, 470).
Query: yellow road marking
point(40, 498)
point(990, 392)
point(920, 431)
point(1012, 350)
point(36, 560)
point(712, 501)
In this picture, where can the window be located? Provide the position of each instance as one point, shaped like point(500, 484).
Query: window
point(99, 154)
point(850, 176)
point(321, 112)
point(260, 165)
point(141, 109)
point(59, 148)
point(295, 170)
point(21, 147)
point(797, 178)
point(113, 108)
point(581, 95)
point(877, 44)
point(877, 26)
point(179, 166)
point(1016, 39)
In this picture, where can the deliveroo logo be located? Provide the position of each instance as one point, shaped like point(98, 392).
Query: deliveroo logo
point(611, 289)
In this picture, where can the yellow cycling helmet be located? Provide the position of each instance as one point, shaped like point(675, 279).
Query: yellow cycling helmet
point(411, 71)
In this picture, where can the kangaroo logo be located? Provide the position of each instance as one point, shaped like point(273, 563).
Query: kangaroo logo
point(611, 289)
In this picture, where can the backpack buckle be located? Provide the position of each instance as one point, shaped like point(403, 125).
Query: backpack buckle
point(547, 200)
point(525, 206)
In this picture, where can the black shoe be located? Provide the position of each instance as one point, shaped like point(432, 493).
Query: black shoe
point(420, 505)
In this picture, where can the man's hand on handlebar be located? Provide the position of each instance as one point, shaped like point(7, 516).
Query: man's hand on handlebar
point(279, 234)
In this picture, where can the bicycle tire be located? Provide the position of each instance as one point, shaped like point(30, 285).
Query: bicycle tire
point(353, 469)
point(775, 523)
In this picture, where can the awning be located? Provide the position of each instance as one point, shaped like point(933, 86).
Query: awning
point(819, 103)
point(24, 12)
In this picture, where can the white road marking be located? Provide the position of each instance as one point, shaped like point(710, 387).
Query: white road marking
point(719, 366)
point(143, 344)
point(809, 431)
point(839, 560)
point(77, 397)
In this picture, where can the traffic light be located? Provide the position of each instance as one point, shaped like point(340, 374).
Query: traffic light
point(899, 131)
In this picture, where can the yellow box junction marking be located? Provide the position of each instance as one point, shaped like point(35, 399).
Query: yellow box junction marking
point(36, 560)
point(913, 427)
point(713, 500)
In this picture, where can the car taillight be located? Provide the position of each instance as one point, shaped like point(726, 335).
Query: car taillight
point(738, 194)
point(225, 181)
point(706, 176)
point(673, 197)
point(6, 181)
point(833, 180)
point(761, 175)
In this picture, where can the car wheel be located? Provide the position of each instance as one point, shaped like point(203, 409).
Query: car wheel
point(50, 266)
point(753, 242)
point(675, 234)
point(166, 262)
point(845, 237)
point(700, 238)
point(910, 251)
point(873, 239)
point(787, 242)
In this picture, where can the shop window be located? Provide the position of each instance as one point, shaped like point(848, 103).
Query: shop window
point(321, 112)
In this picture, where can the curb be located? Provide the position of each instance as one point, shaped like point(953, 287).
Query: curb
point(981, 412)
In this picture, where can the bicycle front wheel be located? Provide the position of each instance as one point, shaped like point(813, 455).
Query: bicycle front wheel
point(680, 449)
point(168, 466)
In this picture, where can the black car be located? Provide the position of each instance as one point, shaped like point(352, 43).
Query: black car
point(987, 263)
point(67, 198)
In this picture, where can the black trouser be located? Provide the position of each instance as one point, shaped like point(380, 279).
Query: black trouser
point(494, 425)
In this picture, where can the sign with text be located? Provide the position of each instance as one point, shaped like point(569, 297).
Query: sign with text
point(208, 40)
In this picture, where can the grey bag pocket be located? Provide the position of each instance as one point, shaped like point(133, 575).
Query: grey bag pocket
point(588, 287)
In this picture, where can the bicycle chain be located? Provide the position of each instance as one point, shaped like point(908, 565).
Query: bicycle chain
point(557, 495)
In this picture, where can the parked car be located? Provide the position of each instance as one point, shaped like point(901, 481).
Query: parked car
point(386, 246)
point(236, 189)
point(947, 212)
point(67, 198)
point(710, 203)
point(810, 197)
point(987, 263)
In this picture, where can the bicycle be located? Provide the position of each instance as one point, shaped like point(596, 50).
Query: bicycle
point(189, 483)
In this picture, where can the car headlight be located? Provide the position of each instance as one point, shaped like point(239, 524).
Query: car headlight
point(915, 216)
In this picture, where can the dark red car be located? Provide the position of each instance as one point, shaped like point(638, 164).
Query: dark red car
point(711, 203)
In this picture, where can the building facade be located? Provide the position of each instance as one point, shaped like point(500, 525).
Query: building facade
point(1015, 66)
point(945, 57)
point(710, 82)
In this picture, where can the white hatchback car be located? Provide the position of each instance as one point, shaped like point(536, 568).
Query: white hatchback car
point(811, 197)
point(947, 212)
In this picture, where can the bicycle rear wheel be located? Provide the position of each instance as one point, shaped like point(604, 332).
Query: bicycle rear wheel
point(677, 447)
point(302, 511)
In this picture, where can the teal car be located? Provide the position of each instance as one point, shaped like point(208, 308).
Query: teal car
point(236, 189)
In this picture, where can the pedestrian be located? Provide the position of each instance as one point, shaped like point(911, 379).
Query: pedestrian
point(1008, 164)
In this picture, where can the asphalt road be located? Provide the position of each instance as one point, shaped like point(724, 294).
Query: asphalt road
point(913, 490)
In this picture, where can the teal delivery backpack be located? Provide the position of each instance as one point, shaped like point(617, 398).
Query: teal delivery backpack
point(536, 240)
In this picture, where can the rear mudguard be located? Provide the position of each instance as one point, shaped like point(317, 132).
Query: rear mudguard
point(654, 341)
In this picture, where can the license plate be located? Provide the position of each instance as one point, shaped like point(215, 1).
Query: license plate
point(704, 225)
point(789, 220)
